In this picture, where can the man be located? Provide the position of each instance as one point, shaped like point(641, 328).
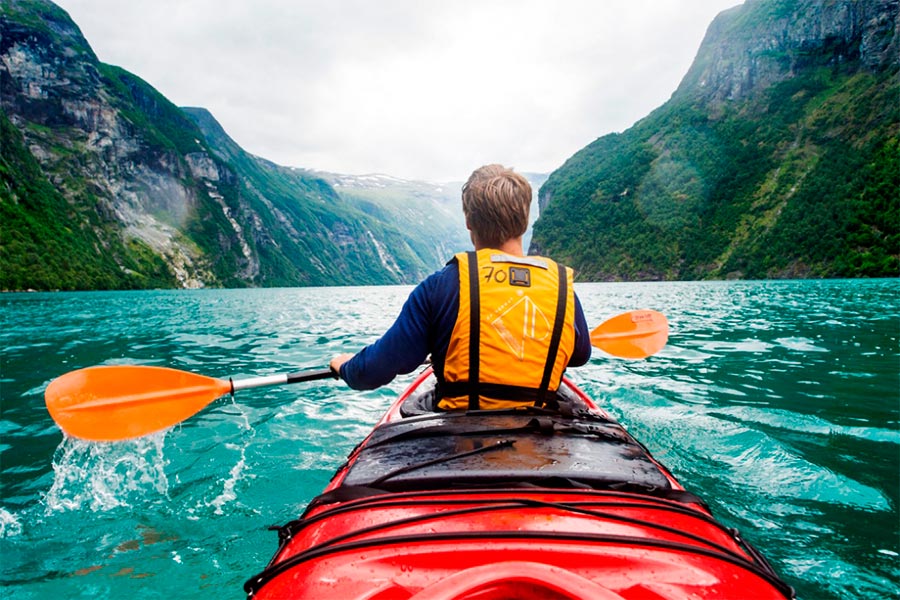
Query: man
point(500, 327)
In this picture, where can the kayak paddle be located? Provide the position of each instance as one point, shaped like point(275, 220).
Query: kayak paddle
point(119, 402)
point(635, 334)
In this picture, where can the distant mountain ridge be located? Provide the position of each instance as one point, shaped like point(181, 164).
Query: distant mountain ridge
point(385, 230)
point(431, 213)
point(777, 156)
point(105, 184)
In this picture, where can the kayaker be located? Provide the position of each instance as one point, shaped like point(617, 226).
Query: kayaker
point(522, 310)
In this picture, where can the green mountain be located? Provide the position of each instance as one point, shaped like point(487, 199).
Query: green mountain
point(778, 156)
point(105, 184)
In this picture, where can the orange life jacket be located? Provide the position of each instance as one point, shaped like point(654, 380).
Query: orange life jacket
point(514, 333)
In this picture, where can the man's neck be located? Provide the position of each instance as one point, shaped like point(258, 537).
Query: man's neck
point(512, 247)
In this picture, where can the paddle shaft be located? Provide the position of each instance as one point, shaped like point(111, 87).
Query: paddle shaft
point(284, 378)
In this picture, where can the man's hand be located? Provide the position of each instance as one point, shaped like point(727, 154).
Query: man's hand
point(337, 361)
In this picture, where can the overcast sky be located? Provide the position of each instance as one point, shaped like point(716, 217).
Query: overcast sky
point(417, 89)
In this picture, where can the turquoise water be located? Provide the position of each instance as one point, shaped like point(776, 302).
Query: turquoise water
point(776, 401)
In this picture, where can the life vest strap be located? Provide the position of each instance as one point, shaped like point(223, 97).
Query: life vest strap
point(474, 331)
point(557, 332)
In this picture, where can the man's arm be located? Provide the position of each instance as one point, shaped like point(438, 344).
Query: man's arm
point(582, 352)
point(421, 328)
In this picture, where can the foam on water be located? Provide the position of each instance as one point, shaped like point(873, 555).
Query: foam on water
point(10, 526)
point(236, 473)
point(101, 476)
point(228, 485)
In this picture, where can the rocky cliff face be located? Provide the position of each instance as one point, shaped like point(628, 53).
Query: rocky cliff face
point(105, 184)
point(763, 42)
point(777, 156)
point(55, 94)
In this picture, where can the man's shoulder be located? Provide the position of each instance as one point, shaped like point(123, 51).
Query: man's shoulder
point(442, 280)
point(434, 292)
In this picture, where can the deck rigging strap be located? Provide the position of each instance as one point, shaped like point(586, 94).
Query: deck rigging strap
point(707, 550)
point(416, 466)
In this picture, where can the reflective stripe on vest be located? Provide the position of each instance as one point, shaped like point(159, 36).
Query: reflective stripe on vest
point(521, 310)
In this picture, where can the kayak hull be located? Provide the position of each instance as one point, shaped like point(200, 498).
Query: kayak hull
point(488, 519)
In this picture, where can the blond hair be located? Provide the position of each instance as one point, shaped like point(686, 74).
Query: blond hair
point(496, 202)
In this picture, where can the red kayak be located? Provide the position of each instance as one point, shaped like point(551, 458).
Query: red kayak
point(556, 503)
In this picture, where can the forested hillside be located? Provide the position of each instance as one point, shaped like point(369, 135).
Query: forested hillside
point(777, 157)
point(105, 184)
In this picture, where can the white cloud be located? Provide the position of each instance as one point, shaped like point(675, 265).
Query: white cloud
point(416, 89)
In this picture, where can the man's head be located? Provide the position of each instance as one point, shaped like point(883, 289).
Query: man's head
point(496, 202)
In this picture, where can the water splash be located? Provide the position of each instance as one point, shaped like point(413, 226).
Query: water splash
point(236, 474)
point(229, 493)
point(10, 526)
point(101, 476)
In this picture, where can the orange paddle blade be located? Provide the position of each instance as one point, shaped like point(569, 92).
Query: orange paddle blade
point(112, 403)
point(635, 334)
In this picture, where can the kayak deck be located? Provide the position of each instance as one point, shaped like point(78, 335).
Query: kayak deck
point(453, 450)
point(509, 504)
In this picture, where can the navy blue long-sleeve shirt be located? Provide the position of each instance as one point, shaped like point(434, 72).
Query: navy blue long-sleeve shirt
point(424, 327)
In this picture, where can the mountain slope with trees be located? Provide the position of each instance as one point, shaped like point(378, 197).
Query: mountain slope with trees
point(105, 184)
point(776, 157)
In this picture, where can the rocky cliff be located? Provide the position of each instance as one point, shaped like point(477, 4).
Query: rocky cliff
point(105, 184)
point(777, 156)
point(763, 42)
point(103, 168)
